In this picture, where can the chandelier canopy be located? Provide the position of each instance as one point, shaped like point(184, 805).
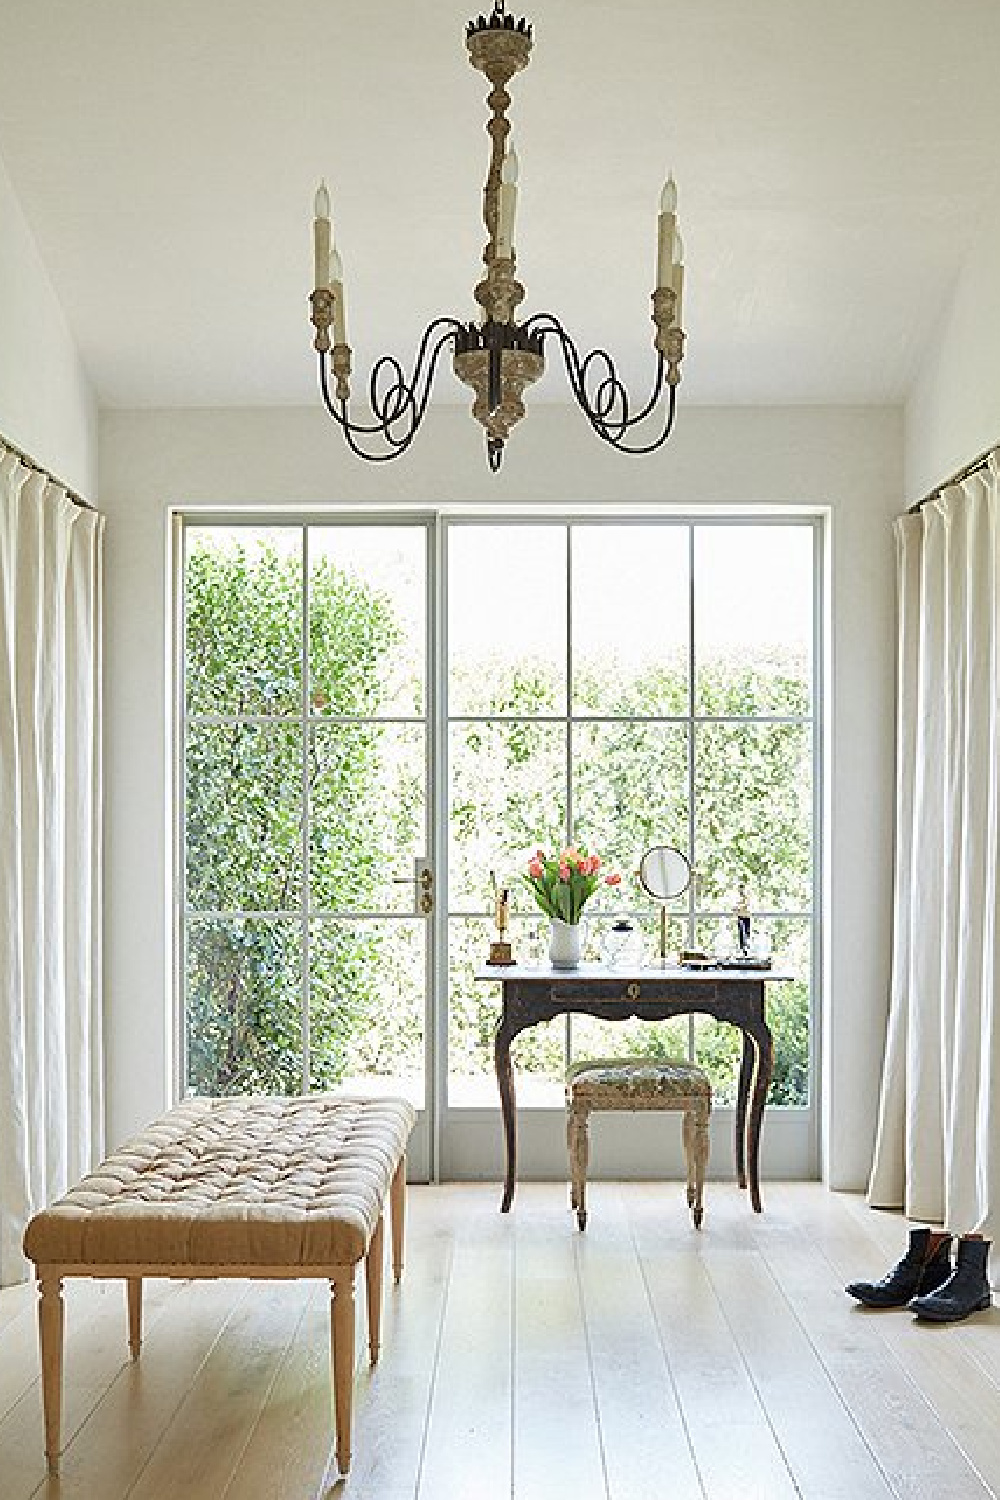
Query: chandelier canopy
point(497, 356)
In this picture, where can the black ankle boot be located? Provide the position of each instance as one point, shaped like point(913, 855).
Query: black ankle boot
point(918, 1271)
point(966, 1291)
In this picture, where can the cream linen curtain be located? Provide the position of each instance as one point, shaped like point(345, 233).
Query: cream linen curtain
point(937, 1151)
point(51, 1097)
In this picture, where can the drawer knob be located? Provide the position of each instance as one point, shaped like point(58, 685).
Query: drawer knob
point(632, 990)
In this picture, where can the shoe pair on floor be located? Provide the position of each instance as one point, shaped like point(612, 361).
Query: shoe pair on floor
point(926, 1281)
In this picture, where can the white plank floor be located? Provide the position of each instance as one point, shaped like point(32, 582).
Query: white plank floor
point(638, 1361)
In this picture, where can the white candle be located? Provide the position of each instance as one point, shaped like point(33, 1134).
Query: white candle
point(665, 233)
point(507, 206)
point(677, 278)
point(336, 274)
point(322, 236)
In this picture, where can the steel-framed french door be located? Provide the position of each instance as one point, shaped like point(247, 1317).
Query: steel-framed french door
point(306, 877)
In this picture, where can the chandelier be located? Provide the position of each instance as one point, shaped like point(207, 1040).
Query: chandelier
point(498, 356)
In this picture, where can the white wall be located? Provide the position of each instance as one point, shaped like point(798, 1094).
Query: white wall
point(844, 459)
point(47, 406)
point(953, 410)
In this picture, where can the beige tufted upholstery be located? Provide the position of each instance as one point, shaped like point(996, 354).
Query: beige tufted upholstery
point(638, 1083)
point(297, 1182)
point(234, 1187)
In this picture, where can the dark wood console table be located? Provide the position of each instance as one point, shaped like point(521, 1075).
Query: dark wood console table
point(653, 994)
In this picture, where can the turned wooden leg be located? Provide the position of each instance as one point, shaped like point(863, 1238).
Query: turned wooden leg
point(50, 1334)
point(133, 1288)
point(397, 1211)
point(687, 1135)
point(342, 1359)
point(579, 1154)
point(701, 1142)
point(570, 1137)
point(373, 1287)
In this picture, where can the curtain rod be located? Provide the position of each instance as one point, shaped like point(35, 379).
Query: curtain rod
point(32, 463)
point(956, 478)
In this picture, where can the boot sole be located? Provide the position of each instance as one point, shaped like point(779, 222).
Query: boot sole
point(951, 1317)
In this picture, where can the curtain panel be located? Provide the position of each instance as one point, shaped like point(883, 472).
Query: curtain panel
point(937, 1152)
point(51, 1085)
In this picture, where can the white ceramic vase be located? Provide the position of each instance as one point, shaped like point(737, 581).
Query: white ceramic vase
point(565, 944)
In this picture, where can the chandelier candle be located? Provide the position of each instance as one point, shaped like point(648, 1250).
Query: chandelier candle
point(497, 356)
point(322, 236)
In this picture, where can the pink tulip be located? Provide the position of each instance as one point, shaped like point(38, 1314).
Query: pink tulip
point(536, 869)
point(540, 854)
point(564, 871)
point(612, 880)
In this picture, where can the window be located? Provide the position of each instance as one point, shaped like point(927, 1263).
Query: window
point(615, 683)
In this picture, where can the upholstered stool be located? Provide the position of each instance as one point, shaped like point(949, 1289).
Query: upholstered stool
point(638, 1083)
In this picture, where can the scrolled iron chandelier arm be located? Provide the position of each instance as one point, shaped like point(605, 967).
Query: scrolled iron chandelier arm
point(394, 400)
point(604, 401)
point(497, 357)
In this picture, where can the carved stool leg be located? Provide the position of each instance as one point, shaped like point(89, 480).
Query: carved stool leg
point(579, 1155)
point(50, 1333)
point(373, 1286)
point(702, 1145)
point(342, 1359)
point(687, 1134)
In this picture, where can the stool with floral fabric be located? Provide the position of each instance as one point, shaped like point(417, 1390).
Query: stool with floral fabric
point(638, 1083)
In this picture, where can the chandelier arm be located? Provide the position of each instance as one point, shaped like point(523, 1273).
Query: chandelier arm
point(395, 400)
point(596, 409)
point(401, 392)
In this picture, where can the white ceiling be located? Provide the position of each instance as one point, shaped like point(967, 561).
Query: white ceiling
point(832, 163)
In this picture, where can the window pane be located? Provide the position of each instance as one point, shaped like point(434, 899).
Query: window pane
point(631, 613)
point(753, 619)
point(366, 1013)
point(243, 620)
point(367, 815)
point(718, 1047)
point(244, 1007)
point(367, 620)
point(243, 809)
point(538, 1054)
point(508, 795)
point(507, 619)
point(630, 791)
point(753, 814)
point(660, 1039)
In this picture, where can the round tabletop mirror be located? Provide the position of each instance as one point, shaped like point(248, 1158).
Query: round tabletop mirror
point(664, 872)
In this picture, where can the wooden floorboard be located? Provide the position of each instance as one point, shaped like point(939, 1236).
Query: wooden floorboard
point(524, 1359)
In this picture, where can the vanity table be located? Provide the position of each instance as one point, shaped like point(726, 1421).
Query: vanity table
point(532, 995)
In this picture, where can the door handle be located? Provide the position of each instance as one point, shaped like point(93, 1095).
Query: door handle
point(422, 881)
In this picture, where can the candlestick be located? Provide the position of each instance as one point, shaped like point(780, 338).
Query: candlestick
point(507, 205)
point(322, 236)
point(666, 226)
point(336, 274)
point(677, 278)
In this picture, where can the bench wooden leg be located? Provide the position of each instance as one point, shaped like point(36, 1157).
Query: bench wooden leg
point(342, 1360)
point(397, 1208)
point(373, 1286)
point(50, 1334)
point(697, 1143)
point(133, 1288)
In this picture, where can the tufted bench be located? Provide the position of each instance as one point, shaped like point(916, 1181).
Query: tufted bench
point(241, 1187)
point(638, 1083)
